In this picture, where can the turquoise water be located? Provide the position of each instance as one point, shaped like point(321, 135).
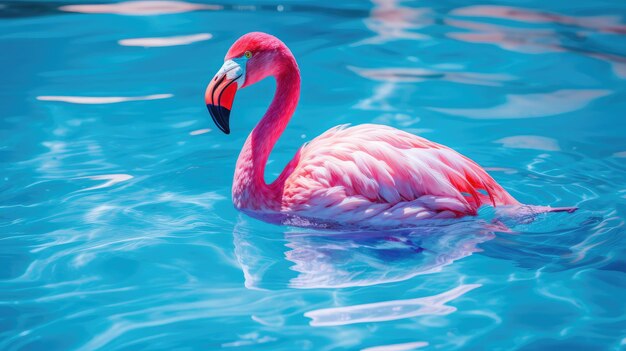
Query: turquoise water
point(117, 228)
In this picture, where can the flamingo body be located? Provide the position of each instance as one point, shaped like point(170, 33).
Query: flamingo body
point(367, 175)
point(376, 174)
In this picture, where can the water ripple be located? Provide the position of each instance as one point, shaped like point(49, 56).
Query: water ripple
point(140, 8)
point(608, 24)
point(388, 310)
point(102, 99)
point(414, 75)
point(166, 41)
point(111, 179)
point(199, 131)
point(530, 142)
point(398, 347)
point(532, 105)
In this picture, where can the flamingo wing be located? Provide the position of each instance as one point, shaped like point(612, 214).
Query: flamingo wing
point(366, 171)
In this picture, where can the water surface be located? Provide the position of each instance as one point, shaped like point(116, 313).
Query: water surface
point(117, 228)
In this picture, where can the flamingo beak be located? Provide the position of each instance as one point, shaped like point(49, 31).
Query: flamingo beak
point(220, 93)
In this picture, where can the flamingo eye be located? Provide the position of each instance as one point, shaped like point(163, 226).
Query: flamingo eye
point(247, 54)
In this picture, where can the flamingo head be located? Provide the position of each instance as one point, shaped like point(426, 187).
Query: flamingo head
point(250, 59)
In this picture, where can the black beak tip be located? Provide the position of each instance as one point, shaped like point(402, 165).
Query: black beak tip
point(221, 116)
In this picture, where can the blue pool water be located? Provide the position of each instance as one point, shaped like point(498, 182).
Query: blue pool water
point(117, 229)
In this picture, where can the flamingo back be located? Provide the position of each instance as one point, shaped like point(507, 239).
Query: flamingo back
point(352, 174)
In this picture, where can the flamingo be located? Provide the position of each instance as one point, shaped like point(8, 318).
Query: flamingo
point(366, 175)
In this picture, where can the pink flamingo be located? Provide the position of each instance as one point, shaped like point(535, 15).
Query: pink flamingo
point(367, 175)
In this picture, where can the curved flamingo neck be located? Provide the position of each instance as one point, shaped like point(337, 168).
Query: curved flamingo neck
point(249, 188)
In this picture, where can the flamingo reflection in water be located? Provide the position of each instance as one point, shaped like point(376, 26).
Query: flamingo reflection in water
point(337, 259)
